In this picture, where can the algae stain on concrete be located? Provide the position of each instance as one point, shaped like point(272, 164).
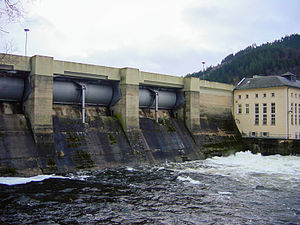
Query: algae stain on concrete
point(112, 139)
point(51, 166)
point(8, 171)
point(119, 118)
point(164, 122)
point(73, 140)
point(82, 160)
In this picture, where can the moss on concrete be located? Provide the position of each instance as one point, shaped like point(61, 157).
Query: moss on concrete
point(82, 160)
point(112, 139)
point(73, 140)
point(170, 127)
point(51, 166)
point(165, 122)
point(268, 146)
point(119, 118)
point(8, 171)
point(224, 148)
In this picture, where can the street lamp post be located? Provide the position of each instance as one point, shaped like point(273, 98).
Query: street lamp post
point(203, 68)
point(26, 31)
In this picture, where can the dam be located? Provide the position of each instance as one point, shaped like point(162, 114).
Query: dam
point(58, 116)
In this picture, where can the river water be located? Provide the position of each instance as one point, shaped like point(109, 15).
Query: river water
point(240, 189)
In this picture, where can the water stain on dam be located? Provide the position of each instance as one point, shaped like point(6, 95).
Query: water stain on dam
point(103, 142)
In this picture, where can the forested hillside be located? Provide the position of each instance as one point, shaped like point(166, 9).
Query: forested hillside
point(273, 58)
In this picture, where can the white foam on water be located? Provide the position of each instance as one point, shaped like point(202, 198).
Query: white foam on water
point(248, 163)
point(188, 179)
point(130, 169)
point(253, 169)
point(224, 193)
point(81, 177)
point(25, 180)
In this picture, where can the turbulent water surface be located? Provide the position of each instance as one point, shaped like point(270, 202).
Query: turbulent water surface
point(239, 189)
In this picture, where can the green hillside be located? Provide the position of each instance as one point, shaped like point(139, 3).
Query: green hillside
point(273, 58)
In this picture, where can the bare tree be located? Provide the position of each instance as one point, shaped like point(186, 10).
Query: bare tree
point(8, 47)
point(10, 11)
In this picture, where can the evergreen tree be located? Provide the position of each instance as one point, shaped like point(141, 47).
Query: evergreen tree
point(273, 58)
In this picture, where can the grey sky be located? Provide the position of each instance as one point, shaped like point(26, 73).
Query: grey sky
point(163, 36)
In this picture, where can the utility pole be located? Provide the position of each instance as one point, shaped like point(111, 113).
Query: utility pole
point(26, 31)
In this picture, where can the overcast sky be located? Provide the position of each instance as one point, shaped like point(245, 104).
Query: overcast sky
point(164, 36)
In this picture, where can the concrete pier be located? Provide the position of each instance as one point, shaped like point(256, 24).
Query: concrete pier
point(38, 107)
point(192, 104)
point(128, 106)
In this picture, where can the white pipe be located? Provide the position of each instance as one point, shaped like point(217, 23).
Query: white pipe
point(156, 106)
point(83, 89)
point(288, 115)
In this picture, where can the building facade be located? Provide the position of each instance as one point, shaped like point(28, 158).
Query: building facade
point(268, 107)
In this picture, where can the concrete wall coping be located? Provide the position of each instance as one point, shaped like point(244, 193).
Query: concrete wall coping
point(65, 68)
point(74, 69)
point(216, 85)
point(163, 80)
point(18, 62)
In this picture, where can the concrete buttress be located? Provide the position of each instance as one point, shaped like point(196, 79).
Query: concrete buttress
point(192, 104)
point(38, 106)
point(128, 106)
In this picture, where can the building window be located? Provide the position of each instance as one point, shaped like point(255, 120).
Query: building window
point(239, 109)
point(295, 114)
point(256, 108)
point(265, 95)
point(272, 119)
point(253, 134)
point(247, 96)
point(256, 121)
point(264, 114)
point(292, 95)
point(292, 113)
point(299, 115)
point(264, 108)
point(272, 107)
point(247, 108)
point(273, 94)
point(296, 135)
point(265, 134)
point(239, 96)
point(264, 119)
point(272, 113)
point(256, 95)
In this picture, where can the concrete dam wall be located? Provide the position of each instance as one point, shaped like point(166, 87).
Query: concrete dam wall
point(70, 116)
point(102, 142)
